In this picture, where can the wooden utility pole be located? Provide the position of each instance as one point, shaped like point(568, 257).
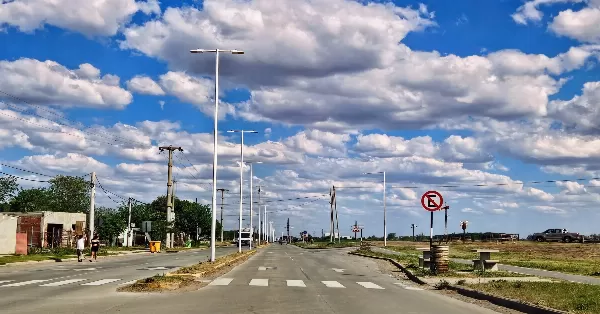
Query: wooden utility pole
point(332, 195)
point(337, 221)
point(170, 214)
point(222, 203)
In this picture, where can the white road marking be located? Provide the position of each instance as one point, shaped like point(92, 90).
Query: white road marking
point(128, 283)
point(5, 281)
point(262, 268)
point(259, 282)
point(24, 283)
point(83, 269)
point(157, 268)
point(61, 283)
point(413, 288)
point(99, 282)
point(270, 252)
point(221, 282)
point(369, 285)
point(332, 284)
point(339, 270)
point(295, 283)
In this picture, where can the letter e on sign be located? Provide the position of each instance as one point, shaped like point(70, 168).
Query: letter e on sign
point(432, 201)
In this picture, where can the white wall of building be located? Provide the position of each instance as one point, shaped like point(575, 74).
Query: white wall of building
point(8, 234)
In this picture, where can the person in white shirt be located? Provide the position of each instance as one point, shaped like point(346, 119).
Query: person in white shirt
point(80, 247)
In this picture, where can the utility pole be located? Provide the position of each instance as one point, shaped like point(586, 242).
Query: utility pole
point(170, 217)
point(222, 203)
point(173, 210)
point(92, 205)
point(197, 227)
point(446, 222)
point(337, 221)
point(332, 194)
point(288, 230)
point(413, 226)
point(128, 222)
point(355, 227)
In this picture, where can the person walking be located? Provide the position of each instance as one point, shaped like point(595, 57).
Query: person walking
point(80, 247)
point(95, 247)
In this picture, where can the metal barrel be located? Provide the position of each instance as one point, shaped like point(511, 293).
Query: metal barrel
point(440, 257)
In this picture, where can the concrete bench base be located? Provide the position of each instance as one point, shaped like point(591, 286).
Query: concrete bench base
point(424, 263)
point(489, 265)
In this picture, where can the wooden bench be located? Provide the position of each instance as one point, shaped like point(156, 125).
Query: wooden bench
point(485, 262)
point(425, 260)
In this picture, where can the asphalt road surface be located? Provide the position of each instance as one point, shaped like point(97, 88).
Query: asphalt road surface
point(33, 286)
point(278, 279)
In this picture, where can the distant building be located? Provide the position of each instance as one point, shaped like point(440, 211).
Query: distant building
point(50, 229)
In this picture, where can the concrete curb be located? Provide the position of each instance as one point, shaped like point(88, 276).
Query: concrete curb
point(501, 301)
point(216, 267)
point(505, 302)
point(409, 274)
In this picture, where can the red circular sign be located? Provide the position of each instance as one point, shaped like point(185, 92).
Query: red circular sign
point(432, 201)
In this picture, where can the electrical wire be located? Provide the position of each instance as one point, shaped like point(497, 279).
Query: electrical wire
point(26, 179)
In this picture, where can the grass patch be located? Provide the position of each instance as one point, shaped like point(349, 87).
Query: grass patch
point(566, 296)
point(574, 258)
point(158, 283)
point(456, 270)
point(208, 267)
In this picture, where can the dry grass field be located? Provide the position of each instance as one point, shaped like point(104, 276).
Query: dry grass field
point(575, 258)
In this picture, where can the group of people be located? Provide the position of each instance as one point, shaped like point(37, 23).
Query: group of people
point(95, 245)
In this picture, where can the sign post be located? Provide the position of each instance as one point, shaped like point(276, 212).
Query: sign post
point(432, 201)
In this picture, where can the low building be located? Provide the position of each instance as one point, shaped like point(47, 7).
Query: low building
point(50, 229)
point(8, 234)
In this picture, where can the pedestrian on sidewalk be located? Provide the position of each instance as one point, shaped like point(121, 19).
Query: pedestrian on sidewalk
point(95, 247)
point(80, 247)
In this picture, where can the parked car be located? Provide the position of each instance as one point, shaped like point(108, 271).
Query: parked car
point(558, 235)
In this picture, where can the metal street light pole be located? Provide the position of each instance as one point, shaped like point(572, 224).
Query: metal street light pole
point(241, 181)
point(213, 228)
point(251, 200)
point(384, 207)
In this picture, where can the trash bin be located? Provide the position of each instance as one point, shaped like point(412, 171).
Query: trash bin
point(188, 243)
point(154, 246)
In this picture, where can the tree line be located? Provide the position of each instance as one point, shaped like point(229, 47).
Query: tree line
point(72, 194)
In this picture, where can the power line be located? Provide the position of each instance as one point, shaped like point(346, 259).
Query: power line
point(24, 170)
point(21, 178)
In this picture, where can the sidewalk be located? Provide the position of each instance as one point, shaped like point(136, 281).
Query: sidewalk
point(521, 270)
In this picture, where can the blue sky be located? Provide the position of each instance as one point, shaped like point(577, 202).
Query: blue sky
point(432, 92)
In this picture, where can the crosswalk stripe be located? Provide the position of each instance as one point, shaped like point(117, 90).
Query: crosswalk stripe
point(24, 283)
point(332, 284)
point(128, 283)
point(259, 282)
point(99, 282)
point(295, 283)
point(369, 285)
point(61, 283)
point(221, 282)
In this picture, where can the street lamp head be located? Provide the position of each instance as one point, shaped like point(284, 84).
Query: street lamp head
point(232, 131)
point(237, 52)
point(251, 131)
point(198, 50)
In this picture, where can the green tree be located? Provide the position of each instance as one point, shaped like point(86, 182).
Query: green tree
point(8, 188)
point(31, 200)
point(189, 216)
point(69, 194)
point(113, 222)
point(391, 235)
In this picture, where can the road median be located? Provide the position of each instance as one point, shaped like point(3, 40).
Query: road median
point(188, 278)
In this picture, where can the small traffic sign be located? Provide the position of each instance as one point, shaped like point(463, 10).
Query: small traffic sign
point(432, 201)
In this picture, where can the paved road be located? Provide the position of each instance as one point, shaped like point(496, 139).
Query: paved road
point(278, 279)
point(521, 270)
point(31, 286)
